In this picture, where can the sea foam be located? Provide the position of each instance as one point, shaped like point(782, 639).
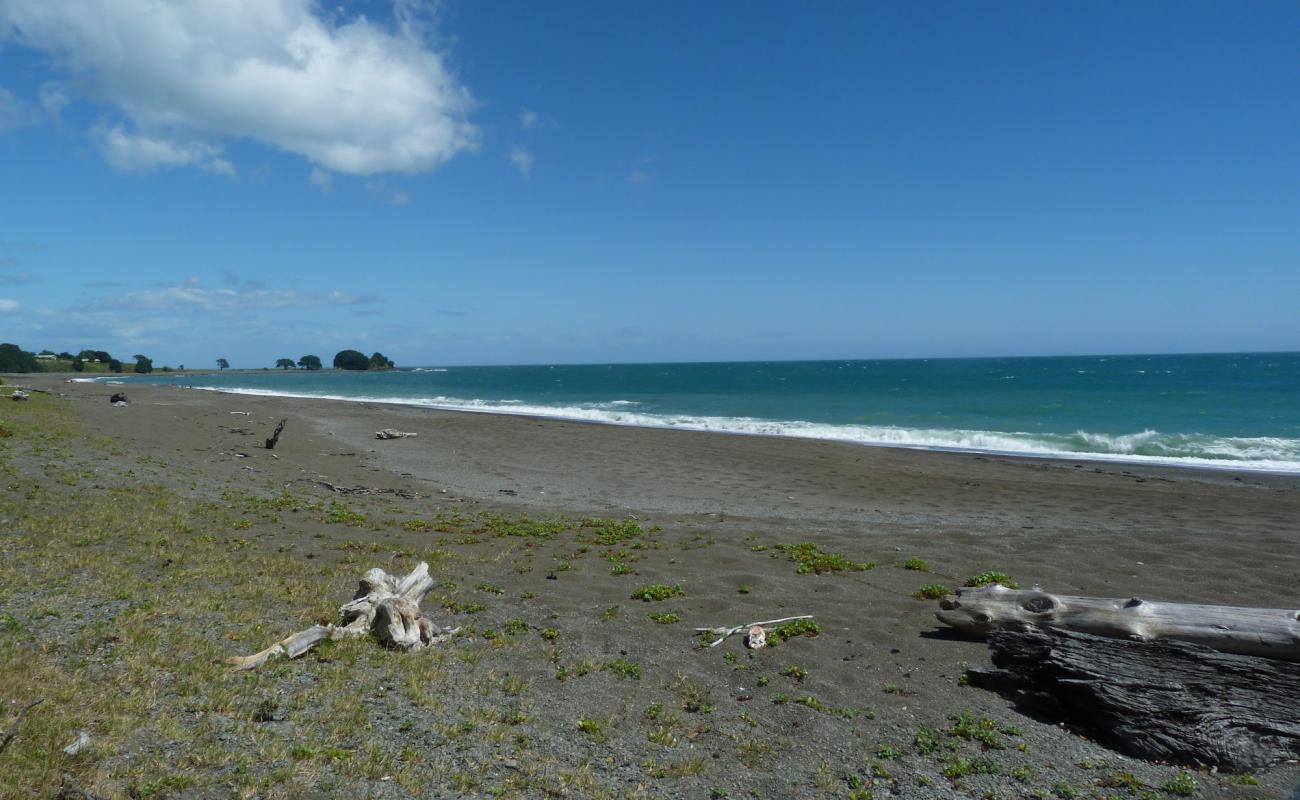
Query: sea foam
point(1268, 454)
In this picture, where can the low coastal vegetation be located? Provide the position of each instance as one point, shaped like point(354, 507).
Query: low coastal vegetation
point(126, 579)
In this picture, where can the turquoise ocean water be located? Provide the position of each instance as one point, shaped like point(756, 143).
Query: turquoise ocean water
point(1237, 410)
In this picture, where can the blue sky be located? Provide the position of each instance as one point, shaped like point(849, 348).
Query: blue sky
point(489, 182)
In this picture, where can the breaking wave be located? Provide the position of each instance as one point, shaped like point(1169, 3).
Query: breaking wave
point(1263, 453)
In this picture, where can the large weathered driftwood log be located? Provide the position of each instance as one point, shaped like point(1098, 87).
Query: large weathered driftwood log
point(1267, 632)
point(1165, 701)
point(387, 606)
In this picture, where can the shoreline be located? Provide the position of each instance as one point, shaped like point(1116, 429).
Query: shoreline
point(1131, 460)
point(264, 543)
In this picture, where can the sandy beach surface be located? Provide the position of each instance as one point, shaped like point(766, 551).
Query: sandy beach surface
point(561, 684)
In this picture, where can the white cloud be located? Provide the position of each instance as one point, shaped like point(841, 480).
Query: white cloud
point(53, 99)
point(346, 93)
point(193, 295)
point(523, 161)
point(13, 112)
point(8, 306)
point(134, 153)
point(321, 179)
point(528, 119)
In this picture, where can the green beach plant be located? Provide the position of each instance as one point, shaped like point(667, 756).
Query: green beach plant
point(657, 591)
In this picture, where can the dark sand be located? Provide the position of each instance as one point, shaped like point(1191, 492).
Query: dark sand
point(1085, 527)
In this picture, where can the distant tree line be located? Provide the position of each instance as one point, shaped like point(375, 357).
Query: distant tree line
point(15, 359)
point(344, 359)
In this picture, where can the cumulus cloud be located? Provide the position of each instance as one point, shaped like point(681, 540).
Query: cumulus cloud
point(8, 306)
point(133, 153)
point(523, 161)
point(349, 94)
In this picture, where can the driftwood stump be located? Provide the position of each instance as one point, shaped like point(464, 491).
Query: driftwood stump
point(275, 437)
point(1164, 701)
point(1267, 632)
point(385, 606)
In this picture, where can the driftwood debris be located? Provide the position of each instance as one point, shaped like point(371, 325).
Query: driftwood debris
point(18, 395)
point(385, 606)
point(389, 433)
point(119, 398)
point(1266, 632)
point(1163, 701)
point(403, 493)
point(275, 437)
point(12, 730)
point(755, 634)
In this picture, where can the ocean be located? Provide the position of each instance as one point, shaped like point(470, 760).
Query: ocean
point(1223, 410)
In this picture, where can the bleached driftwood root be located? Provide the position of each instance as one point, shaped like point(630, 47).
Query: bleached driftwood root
point(755, 635)
point(1267, 632)
point(389, 433)
point(387, 606)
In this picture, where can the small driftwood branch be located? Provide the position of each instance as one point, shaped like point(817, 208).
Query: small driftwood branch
point(389, 433)
point(12, 730)
point(1163, 701)
point(361, 489)
point(385, 606)
point(1266, 632)
point(724, 632)
point(275, 437)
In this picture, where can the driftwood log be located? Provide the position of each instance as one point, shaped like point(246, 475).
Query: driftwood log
point(385, 606)
point(755, 633)
point(1268, 632)
point(1163, 701)
point(275, 437)
point(389, 433)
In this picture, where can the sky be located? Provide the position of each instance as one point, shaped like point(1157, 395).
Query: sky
point(495, 182)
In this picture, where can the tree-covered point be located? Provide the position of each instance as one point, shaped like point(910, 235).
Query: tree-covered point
point(15, 359)
point(309, 362)
point(284, 363)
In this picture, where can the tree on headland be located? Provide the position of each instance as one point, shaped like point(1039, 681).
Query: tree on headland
point(351, 359)
point(223, 364)
point(15, 359)
point(309, 362)
point(143, 364)
point(378, 361)
point(114, 365)
point(284, 363)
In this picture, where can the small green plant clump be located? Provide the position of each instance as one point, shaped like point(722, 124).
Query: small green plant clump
point(592, 728)
point(514, 627)
point(657, 591)
point(1182, 784)
point(624, 669)
point(916, 564)
point(792, 630)
point(991, 577)
point(622, 568)
point(491, 588)
point(795, 673)
point(933, 591)
point(665, 617)
point(812, 559)
point(612, 531)
point(340, 513)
